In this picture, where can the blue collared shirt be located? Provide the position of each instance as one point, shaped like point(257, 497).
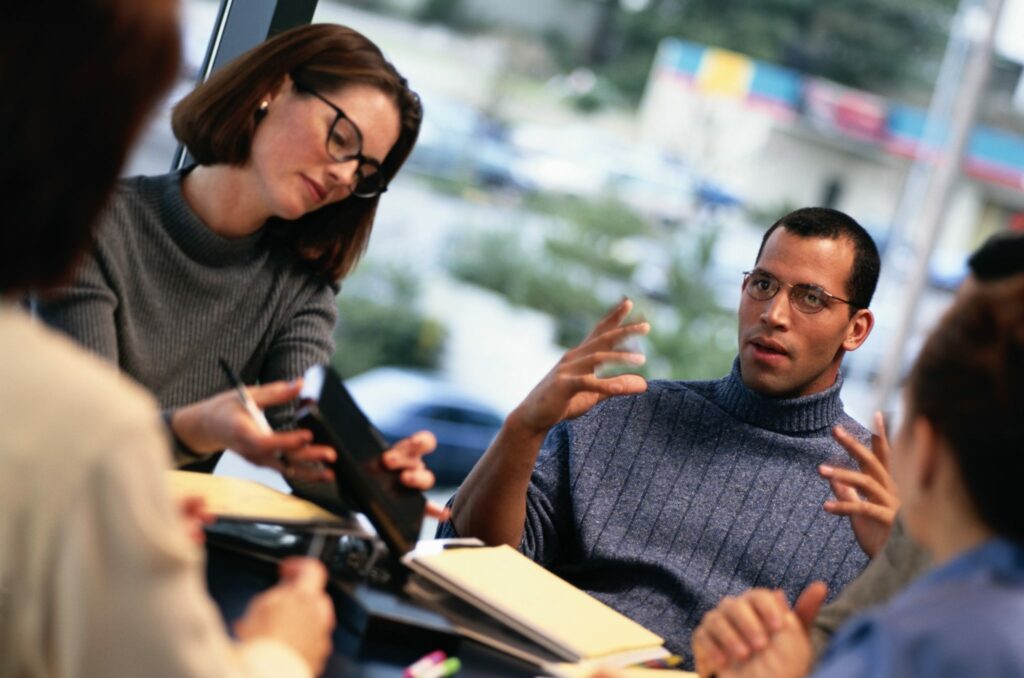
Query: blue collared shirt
point(964, 618)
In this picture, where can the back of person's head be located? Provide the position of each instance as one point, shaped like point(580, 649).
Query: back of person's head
point(79, 77)
point(823, 222)
point(1000, 256)
point(968, 382)
point(217, 121)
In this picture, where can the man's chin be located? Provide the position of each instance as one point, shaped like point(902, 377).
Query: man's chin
point(764, 382)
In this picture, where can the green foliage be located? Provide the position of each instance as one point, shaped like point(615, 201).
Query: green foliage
point(498, 262)
point(446, 185)
point(380, 324)
point(451, 13)
point(879, 45)
point(439, 11)
point(575, 274)
point(703, 343)
point(607, 218)
point(593, 257)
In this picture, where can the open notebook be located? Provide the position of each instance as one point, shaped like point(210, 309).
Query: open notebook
point(238, 499)
point(546, 619)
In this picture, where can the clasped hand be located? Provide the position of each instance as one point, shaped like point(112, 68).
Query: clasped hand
point(757, 635)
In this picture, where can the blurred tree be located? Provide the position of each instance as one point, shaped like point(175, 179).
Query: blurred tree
point(600, 46)
point(879, 45)
point(440, 11)
point(592, 253)
point(499, 262)
point(380, 323)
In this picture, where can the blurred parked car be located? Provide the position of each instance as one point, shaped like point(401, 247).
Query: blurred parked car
point(461, 143)
point(656, 184)
point(402, 401)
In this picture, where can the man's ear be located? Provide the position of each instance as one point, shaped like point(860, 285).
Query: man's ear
point(858, 329)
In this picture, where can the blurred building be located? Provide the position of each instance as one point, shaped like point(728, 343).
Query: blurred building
point(574, 21)
point(778, 138)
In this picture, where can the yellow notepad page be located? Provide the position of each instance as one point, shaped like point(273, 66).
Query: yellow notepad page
point(538, 602)
point(247, 500)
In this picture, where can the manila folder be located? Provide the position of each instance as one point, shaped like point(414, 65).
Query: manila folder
point(518, 592)
point(239, 499)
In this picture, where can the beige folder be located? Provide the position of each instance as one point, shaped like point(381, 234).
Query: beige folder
point(504, 584)
point(240, 499)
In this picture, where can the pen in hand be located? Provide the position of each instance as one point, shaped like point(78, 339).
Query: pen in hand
point(247, 402)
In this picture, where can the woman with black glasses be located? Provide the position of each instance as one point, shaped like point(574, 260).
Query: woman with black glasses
point(240, 256)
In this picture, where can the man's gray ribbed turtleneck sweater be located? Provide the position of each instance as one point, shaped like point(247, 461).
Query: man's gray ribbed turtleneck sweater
point(662, 503)
point(164, 297)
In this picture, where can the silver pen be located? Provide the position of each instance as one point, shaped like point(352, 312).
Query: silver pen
point(247, 402)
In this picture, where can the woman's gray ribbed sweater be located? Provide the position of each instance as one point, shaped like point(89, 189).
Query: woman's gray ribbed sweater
point(164, 297)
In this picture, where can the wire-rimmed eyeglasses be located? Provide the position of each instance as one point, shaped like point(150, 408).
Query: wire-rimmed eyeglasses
point(804, 297)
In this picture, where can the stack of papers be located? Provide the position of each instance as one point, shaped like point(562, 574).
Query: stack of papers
point(555, 621)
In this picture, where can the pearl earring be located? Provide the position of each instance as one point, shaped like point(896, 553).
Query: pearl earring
point(262, 110)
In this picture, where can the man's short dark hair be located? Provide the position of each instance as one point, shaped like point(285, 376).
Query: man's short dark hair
point(823, 222)
point(1001, 256)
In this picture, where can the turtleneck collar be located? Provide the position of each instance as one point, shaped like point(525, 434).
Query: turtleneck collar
point(817, 412)
point(190, 234)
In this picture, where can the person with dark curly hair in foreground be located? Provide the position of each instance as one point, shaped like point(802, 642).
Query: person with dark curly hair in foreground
point(98, 574)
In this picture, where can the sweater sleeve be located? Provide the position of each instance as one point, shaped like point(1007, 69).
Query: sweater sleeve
point(305, 339)
point(548, 530)
point(548, 523)
point(85, 309)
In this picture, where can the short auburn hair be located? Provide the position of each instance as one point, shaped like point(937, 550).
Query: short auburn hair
point(217, 121)
point(968, 381)
point(82, 75)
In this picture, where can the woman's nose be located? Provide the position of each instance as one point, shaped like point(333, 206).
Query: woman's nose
point(344, 173)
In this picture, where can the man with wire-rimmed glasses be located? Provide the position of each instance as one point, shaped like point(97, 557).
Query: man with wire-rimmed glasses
point(661, 498)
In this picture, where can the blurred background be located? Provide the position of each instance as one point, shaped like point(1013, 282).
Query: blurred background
point(576, 151)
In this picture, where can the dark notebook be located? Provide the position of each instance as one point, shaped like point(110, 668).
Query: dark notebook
point(330, 412)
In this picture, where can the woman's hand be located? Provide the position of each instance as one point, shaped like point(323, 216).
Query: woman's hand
point(407, 456)
point(757, 635)
point(221, 422)
point(867, 496)
point(572, 387)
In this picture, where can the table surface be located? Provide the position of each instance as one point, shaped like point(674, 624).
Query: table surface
point(234, 579)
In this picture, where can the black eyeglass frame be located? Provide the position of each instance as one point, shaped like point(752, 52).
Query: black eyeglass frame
point(816, 289)
point(358, 156)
